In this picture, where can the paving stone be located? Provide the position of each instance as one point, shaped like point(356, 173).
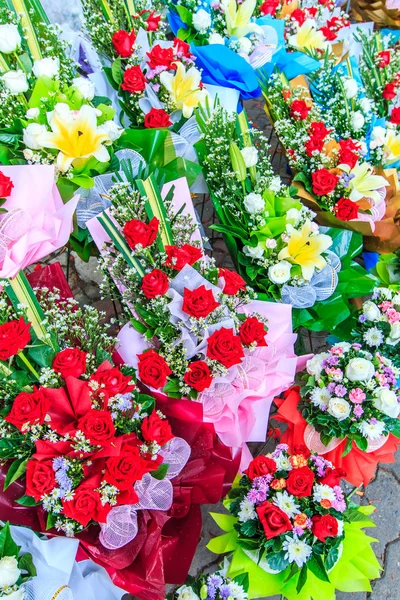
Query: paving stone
point(388, 587)
point(87, 271)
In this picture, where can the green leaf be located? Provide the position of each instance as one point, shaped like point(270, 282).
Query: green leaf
point(42, 355)
point(316, 567)
point(326, 439)
point(277, 561)
point(185, 14)
point(331, 559)
point(116, 71)
point(138, 325)
point(243, 580)
point(362, 443)
point(17, 468)
point(183, 34)
point(302, 579)
point(348, 447)
point(82, 180)
point(25, 563)
point(161, 471)
point(171, 386)
point(27, 501)
point(7, 545)
point(305, 180)
point(249, 528)
point(237, 160)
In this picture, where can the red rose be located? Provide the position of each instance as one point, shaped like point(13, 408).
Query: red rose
point(86, 505)
point(345, 209)
point(123, 470)
point(332, 477)
point(137, 232)
point(273, 519)
point(318, 130)
point(155, 284)
point(259, 466)
point(40, 478)
point(312, 11)
point(300, 482)
point(389, 91)
point(299, 110)
point(153, 369)
point(395, 116)
point(123, 42)
point(323, 527)
point(269, 7)
point(348, 153)
point(14, 336)
point(199, 302)
point(252, 330)
point(70, 362)
point(28, 409)
point(233, 282)
point(314, 144)
point(113, 382)
point(198, 375)
point(299, 16)
point(6, 185)
point(323, 182)
point(134, 80)
point(151, 19)
point(179, 257)
point(160, 57)
point(384, 58)
point(225, 347)
point(182, 48)
point(328, 34)
point(155, 429)
point(97, 426)
point(302, 449)
point(157, 118)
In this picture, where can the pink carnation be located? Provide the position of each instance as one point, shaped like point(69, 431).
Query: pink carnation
point(393, 315)
point(336, 374)
point(337, 350)
point(357, 396)
point(386, 305)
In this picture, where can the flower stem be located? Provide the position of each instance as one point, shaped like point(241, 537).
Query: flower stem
point(28, 364)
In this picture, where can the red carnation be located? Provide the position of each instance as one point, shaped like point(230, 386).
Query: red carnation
point(123, 42)
point(314, 144)
point(155, 284)
point(225, 347)
point(86, 505)
point(299, 110)
point(328, 34)
point(301, 449)
point(389, 91)
point(97, 426)
point(40, 478)
point(177, 258)
point(269, 7)
point(153, 369)
point(233, 282)
point(312, 11)
point(324, 526)
point(155, 429)
point(6, 185)
point(198, 376)
point(384, 58)
point(157, 118)
point(318, 130)
point(199, 302)
point(137, 232)
point(14, 336)
point(299, 16)
point(348, 153)
point(259, 466)
point(395, 116)
point(28, 409)
point(252, 331)
point(300, 482)
point(323, 182)
point(273, 519)
point(345, 209)
point(70, 362)
point(134, 80)
point(332, 477)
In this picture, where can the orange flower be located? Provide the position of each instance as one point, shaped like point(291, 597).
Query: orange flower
point(278, 484)
point(301, 520)
point(326, 503)
point(298, 460)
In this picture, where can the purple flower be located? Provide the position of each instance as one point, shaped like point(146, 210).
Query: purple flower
point(362, 318)
point(279, 449)
point(332, 361)
point(356, 346)
point(373, 421)
point(252, 496)
point(298, 530)
point(340, 390)
point(225, 591)
point(358, 411)
point(331, 386)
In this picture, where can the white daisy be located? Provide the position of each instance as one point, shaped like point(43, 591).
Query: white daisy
point(287, 504)
point(320, 396)
point(296, 551)
point(373, 431)
point(237, 591)
point(247, 511)
point(283, 463)
point(373, 337)
point(323, 492)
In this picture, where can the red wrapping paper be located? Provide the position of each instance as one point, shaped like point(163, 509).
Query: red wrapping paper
point(360, 466)
point(50, 276)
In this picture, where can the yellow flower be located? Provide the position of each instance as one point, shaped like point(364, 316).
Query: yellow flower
point(392, 146)
point(184, 87)
point(364, 183)
point(238, 18)
point(75, 134)
point(305, 248)
point(308, 37)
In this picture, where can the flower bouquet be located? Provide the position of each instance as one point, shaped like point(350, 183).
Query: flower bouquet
point(378, 326)
point(215, 586)
point(270, 235)
point(348, 410)
point(15, 568)
point(194, 331)
point(293, 531)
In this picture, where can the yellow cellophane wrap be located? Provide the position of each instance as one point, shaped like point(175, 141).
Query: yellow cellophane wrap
point(354, 570)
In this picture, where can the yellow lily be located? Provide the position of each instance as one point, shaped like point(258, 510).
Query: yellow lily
point(308, 37)
point(75, 134)
point(305, 249)
point(364, 182)
point(238, 18)
point(184, 87)
point(392, 147)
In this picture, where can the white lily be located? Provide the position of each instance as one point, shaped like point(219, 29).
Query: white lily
point(237, 18)
point(308, 37)
point(185, 88)
point(364, 183)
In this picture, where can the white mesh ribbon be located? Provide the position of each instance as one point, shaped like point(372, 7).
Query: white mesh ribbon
point(121, 526)
point(94, 201)
point(13, 225)
point(320, 287)
point(312, 440)
point(39, 589)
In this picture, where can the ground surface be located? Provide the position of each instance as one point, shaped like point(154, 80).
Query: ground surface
point(383, 492)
